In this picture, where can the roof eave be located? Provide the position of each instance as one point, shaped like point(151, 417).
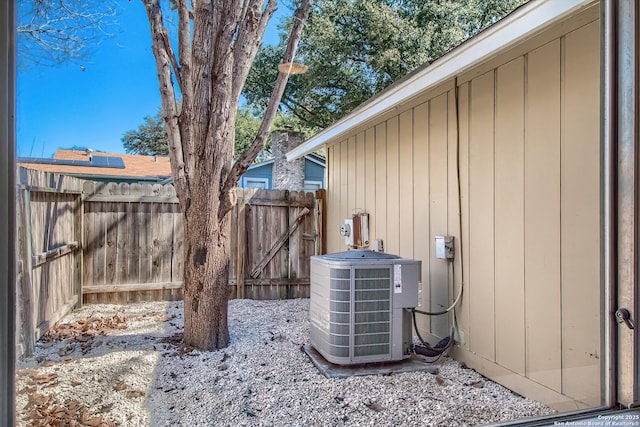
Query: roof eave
point(509, 31)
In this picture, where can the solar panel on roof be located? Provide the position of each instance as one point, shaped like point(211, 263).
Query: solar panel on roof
point(61, 162)
point(96, 161)
point(107, 162)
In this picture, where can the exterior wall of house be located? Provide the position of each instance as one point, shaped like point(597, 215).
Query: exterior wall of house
point(263, 173)
point(313, 171)
point(530, 166)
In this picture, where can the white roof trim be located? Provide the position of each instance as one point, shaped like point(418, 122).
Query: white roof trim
point(271, 160)
point(532, 17)
point(259, 165)
point(316, 161)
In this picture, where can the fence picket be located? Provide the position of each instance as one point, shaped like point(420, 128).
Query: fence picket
point(122, 238)
point(111, 227)
point(90, 237)
point(133, 253)
point(144, 228)
point(166, 235)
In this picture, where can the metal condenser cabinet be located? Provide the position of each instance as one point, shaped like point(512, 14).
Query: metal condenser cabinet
point(359, 302)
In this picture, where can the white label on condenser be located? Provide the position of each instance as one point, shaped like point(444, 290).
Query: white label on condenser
point(397, 278)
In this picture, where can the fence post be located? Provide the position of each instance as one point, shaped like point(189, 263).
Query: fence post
point(78, 215)
point(241, 244)
point(320, 219)
point(25, 251)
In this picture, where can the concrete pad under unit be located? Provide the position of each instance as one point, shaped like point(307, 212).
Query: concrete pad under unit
point(331, 370)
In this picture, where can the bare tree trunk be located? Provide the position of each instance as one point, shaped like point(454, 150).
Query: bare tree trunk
point(206, 279)
point(217, 43)
point(207, 245)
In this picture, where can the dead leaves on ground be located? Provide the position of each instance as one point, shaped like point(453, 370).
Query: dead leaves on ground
point(131, 394)
point(43, 412)
point(36, 379)
point(83, 330)
point(46, 380)
point(120, 385)
point(44, 407)
point(81, 333)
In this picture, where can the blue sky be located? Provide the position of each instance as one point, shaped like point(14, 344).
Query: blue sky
point(64, 106)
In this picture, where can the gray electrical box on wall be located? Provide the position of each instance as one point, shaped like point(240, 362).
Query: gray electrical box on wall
point(444, 247)
point(346, 231)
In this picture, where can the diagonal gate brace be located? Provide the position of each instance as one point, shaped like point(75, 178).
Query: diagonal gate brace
point(278, 244)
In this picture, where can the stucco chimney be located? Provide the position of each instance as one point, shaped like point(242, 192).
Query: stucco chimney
point(287, 175)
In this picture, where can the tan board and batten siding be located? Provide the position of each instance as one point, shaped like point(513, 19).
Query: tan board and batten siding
point(530, 207)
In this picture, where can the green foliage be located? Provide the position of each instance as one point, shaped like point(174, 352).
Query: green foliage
point(246, 130)
point(356, 48)
point(247, 124)
point(149, 139)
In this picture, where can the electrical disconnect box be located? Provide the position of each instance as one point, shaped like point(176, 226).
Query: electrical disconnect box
point(444, 247)
point(346, 231)
point(355, 231)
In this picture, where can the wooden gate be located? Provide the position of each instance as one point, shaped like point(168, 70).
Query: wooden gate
point(49, 231)
point(275, 234)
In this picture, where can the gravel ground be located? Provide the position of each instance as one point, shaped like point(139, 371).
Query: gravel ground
point(125, 366)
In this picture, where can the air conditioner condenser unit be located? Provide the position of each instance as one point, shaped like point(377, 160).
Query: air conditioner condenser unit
point(359, 302)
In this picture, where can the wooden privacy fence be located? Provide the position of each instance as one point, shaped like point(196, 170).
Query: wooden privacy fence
point(95, 242)
point(134, 243)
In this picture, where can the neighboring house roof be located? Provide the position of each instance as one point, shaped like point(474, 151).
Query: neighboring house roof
point(82, 163)
point(316, 158)
point(519, 25)
point(260, 164)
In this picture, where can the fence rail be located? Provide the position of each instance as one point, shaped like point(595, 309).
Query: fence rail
point(95, 242)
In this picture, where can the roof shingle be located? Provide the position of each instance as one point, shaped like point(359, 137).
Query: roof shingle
point(134, 165)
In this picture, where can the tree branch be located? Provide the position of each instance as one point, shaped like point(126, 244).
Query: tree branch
point(169, 105)
point(185, 59)
point(252, 27)
point(172, 57)
point(243, 163)
point(52, 32)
